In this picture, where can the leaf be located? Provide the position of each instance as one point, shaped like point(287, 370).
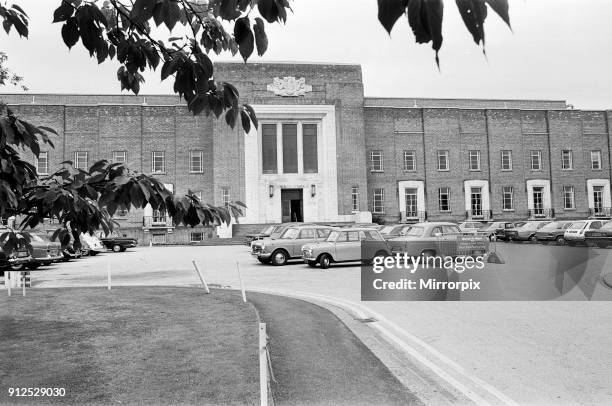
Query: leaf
point(48, 129)
point(501, 8)
point(230, 117)
point(474, 13)
point(173, 14)
point(268, 10)
point(63, 12)
point(389, 11)
point(244, 37)
point(252, 114)
point(261, 39)
point(246, 121)
point(425, 19)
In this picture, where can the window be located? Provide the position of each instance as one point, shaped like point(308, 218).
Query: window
point(158, 162)
point(121, 212)
point(444, 199)
point(376, 161)
point(412, 205)
point(158, 238)
point(196, 161)
point(42, 163)
point(568, 197)
point(410, 161)
point(196, 237)
point(506, 160)
point(307, 234)
point(566, 159)
point(536, 160)
point(159, 216)
point(378, 201)
point(474, 156)
point(225, 195)
point(309, 148)
point(443, 161)
point(119, 157)
point(80, 160)
point(268, 152)
point(355, 198)
point(507, 198)
point(290, 157)
point(596, 160)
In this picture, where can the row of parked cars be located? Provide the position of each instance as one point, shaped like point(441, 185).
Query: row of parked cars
point(321, 245)
point(590, 232)
point(41, 250)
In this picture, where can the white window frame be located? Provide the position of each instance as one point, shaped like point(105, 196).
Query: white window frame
point(570, 164)
point(373, 155)
point(380, 193)
point(409, 154)
point(355, 199)
point(117, 153)
point(158, 154)
point(507, 190)
point(225, 195)
point(76, 160)
point(596, 153)
point(507, 153)
point(569, 191)
point(538, 155)
point(447, 191)
point(474, 153)
point(198, 168)
point(443, 153)
point(192, 239)
point(45, 160)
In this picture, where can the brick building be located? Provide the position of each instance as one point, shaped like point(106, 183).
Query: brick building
point(324, 152)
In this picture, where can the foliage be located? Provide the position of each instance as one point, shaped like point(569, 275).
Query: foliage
point(425, 18)
point(7, 76)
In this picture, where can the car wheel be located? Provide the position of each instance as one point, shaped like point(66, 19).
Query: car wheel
point(264, 260)
point(17, 268)
point(560, 240)
point(533, 238)
point(123, 249)
point(312, 264)
point(325, 261)
point(116, 248)
point(279, 257)
point(85, 253)
point(33, 265)
point(493, 238)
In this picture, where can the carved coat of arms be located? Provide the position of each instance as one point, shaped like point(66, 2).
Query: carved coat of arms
point(289, 86)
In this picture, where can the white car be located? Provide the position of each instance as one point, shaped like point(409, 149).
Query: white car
point(574, 234)
point(91, 245)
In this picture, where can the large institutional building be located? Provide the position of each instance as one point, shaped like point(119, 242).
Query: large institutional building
point(325, 153)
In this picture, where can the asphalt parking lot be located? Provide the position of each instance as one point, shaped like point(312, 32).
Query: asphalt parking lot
point(544, 352)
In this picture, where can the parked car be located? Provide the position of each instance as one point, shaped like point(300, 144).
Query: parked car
point(344, 245)
point(526, 232)
point(492, 229)
point(265, 233)
point(602, 237)
point(15, 260)
point(553, 231)
point(394, 230)
point(44, 251)
point(438, 239)
point(503, 232)
point(91, 245)
point(473, 227)
point(116, 242)
point(289, 245)
point(574, 234)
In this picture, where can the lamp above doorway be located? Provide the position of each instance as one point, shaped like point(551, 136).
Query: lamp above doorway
point(271, 190)
point(313, 190)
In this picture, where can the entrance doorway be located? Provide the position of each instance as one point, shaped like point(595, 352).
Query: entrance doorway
point(538, 201)
point(292, 205)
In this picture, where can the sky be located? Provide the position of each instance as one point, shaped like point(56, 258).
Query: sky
point(557, 50)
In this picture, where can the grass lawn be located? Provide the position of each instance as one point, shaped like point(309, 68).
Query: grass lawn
point(133, 345)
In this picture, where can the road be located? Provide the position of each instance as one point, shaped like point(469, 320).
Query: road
point(530, 352)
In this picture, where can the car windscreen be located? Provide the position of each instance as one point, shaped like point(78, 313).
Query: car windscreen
point(386, 229)
point(579, 225)
point(529, 226)
point(290, 233)
point(551, 226)
point(333, 236)
point(607, 226)
point(415, 231)
point(267, 230)
point(37, 238)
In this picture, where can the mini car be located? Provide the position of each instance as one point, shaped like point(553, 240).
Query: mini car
point(289, 245)
point(504, 231)
point(553, 232)
point(527, 232)
point(438, 239)
point(344, 245)
point(574, 234)
point(602, 237)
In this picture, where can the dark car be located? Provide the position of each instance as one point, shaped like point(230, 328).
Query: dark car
point(602, 237)
point(527, 232)
point(553, 232)
point(117, 243)
point(508, 231)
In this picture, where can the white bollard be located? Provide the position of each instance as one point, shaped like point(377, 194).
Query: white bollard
point(263, 364)
point(108, 275)
point(23, 279)
point(241, 283)
point(7, 281)
point(204, 284)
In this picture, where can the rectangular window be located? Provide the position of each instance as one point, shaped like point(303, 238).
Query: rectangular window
point(376, 161)
point(158, 162)
point(196, 237)
point(443, 164)
point(474, 156)
point(309, 148)
point(506, 160)
point(225, 195)
point(159, 217)
point(507, 198)
point(476, 201)
point(412, 204)
point(158, 238)
point(566, 160)
point(355, 198)
point(42, 163)
point(196, 161)
point(444, 199)
point(119, 157)
point(290, 158)
point(568, 197)
point(80, 160)
point(596, 160)
point(378, 201)
point(268, 151)
point(598, 199)
point(536, 160)
point(410, 161)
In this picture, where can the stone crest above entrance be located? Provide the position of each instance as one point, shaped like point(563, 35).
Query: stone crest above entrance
point(289, 87)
